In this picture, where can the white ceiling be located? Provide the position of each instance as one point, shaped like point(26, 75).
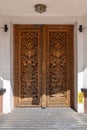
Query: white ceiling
point(54, 7)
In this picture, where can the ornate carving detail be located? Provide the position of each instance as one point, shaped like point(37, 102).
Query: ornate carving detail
point(57, 63)
point(43, 65)
point(27, 65)
point(60, 79)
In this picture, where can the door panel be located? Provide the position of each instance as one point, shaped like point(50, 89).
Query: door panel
point(59, 65)
point(27, 58)
point(43, 65)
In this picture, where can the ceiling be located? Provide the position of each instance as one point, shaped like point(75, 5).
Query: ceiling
point(54, 7)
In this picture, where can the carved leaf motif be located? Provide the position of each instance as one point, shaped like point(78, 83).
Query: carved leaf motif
point(57, 62)
point(29, 64)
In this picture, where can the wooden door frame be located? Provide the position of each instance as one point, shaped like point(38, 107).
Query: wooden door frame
point(44, 96)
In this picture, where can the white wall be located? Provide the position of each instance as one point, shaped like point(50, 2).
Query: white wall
point(6, 53)
point(85, 52)
point(5, 67)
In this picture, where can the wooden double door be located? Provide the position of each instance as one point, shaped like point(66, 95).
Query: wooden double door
point(43, 65)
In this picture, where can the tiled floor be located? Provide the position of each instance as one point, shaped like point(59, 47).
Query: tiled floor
point(43, 119)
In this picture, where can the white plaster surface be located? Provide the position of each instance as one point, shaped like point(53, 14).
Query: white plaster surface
point(5, 68)
point(80, 108)
point(54, 7)
point(85, 52)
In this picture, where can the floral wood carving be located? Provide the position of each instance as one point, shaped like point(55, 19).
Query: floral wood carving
point(59, 65)
point(57, 62)
point(27, 65)
point(44, 65)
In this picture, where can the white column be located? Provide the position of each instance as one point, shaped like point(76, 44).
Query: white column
point(5, 68)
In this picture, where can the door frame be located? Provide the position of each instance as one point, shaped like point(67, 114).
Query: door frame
point(14, 72)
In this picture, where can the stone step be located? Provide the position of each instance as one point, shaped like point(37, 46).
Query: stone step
point(43, 119)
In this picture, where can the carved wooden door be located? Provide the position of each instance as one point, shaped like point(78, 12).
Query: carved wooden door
point(60, 71)
point(43, 65)
point(27, 45)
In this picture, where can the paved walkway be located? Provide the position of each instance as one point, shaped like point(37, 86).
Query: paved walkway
point(43, 119)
